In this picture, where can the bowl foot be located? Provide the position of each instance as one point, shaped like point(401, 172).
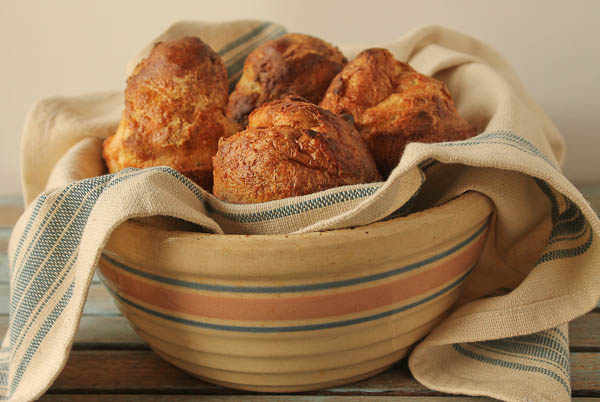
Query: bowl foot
point(308, 381)
point(288, 389)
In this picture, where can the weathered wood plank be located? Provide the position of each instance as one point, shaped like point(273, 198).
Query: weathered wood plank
point(265, 398)
point(102, 371)
point(4, 236)
point(97, 371)
point(395, 381)
point(584, 333)
point(585, 374)
point(3, 268)
point(99, 301)
point(259, 398)
point(586, 399)
point(99, 332)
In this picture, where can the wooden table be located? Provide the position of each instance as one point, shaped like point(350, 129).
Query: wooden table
point(109, 362)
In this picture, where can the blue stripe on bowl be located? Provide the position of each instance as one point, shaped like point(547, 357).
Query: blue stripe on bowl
point(293, 328)
point(297, 288)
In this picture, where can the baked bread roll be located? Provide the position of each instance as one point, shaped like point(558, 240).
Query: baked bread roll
point(174, 114)
point(294, 64)
point(290, 148)
point(392, 105)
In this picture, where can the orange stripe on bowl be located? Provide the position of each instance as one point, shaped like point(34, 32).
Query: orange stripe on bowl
point(296, 307)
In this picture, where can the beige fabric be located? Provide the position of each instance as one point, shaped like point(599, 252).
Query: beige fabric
point(519, 143)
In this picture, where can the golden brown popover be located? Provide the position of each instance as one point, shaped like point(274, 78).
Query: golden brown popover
point(294, 64)
point(290, 148)
point(393, 105)
point(174, 114)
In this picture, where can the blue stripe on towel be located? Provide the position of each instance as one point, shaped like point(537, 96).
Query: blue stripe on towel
point(511, 365)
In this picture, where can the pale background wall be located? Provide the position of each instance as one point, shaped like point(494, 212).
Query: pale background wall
point(70, 47)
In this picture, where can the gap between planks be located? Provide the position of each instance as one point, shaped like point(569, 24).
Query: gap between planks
point(143, 372)
point(266, 398)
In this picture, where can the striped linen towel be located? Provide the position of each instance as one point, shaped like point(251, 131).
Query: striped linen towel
point(508, 339)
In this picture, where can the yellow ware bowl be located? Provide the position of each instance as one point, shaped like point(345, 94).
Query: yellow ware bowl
point(285, 313)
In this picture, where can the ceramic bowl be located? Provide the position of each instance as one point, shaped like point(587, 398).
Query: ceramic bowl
point(285, 313)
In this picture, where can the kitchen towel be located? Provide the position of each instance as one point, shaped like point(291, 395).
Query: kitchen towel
point(507, 338)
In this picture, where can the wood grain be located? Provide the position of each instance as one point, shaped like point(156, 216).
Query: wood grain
point(100, 333)
point(585, 374)
point(265, 398)
point(262, 398)
point(3, 268)
point(4, 236)
point(102, 371)
point(259, 398)
point(584, 333)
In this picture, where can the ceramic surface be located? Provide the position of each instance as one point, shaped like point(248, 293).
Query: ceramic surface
point(284, 313)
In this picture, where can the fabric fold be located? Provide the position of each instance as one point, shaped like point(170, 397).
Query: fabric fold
point(507, 337)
